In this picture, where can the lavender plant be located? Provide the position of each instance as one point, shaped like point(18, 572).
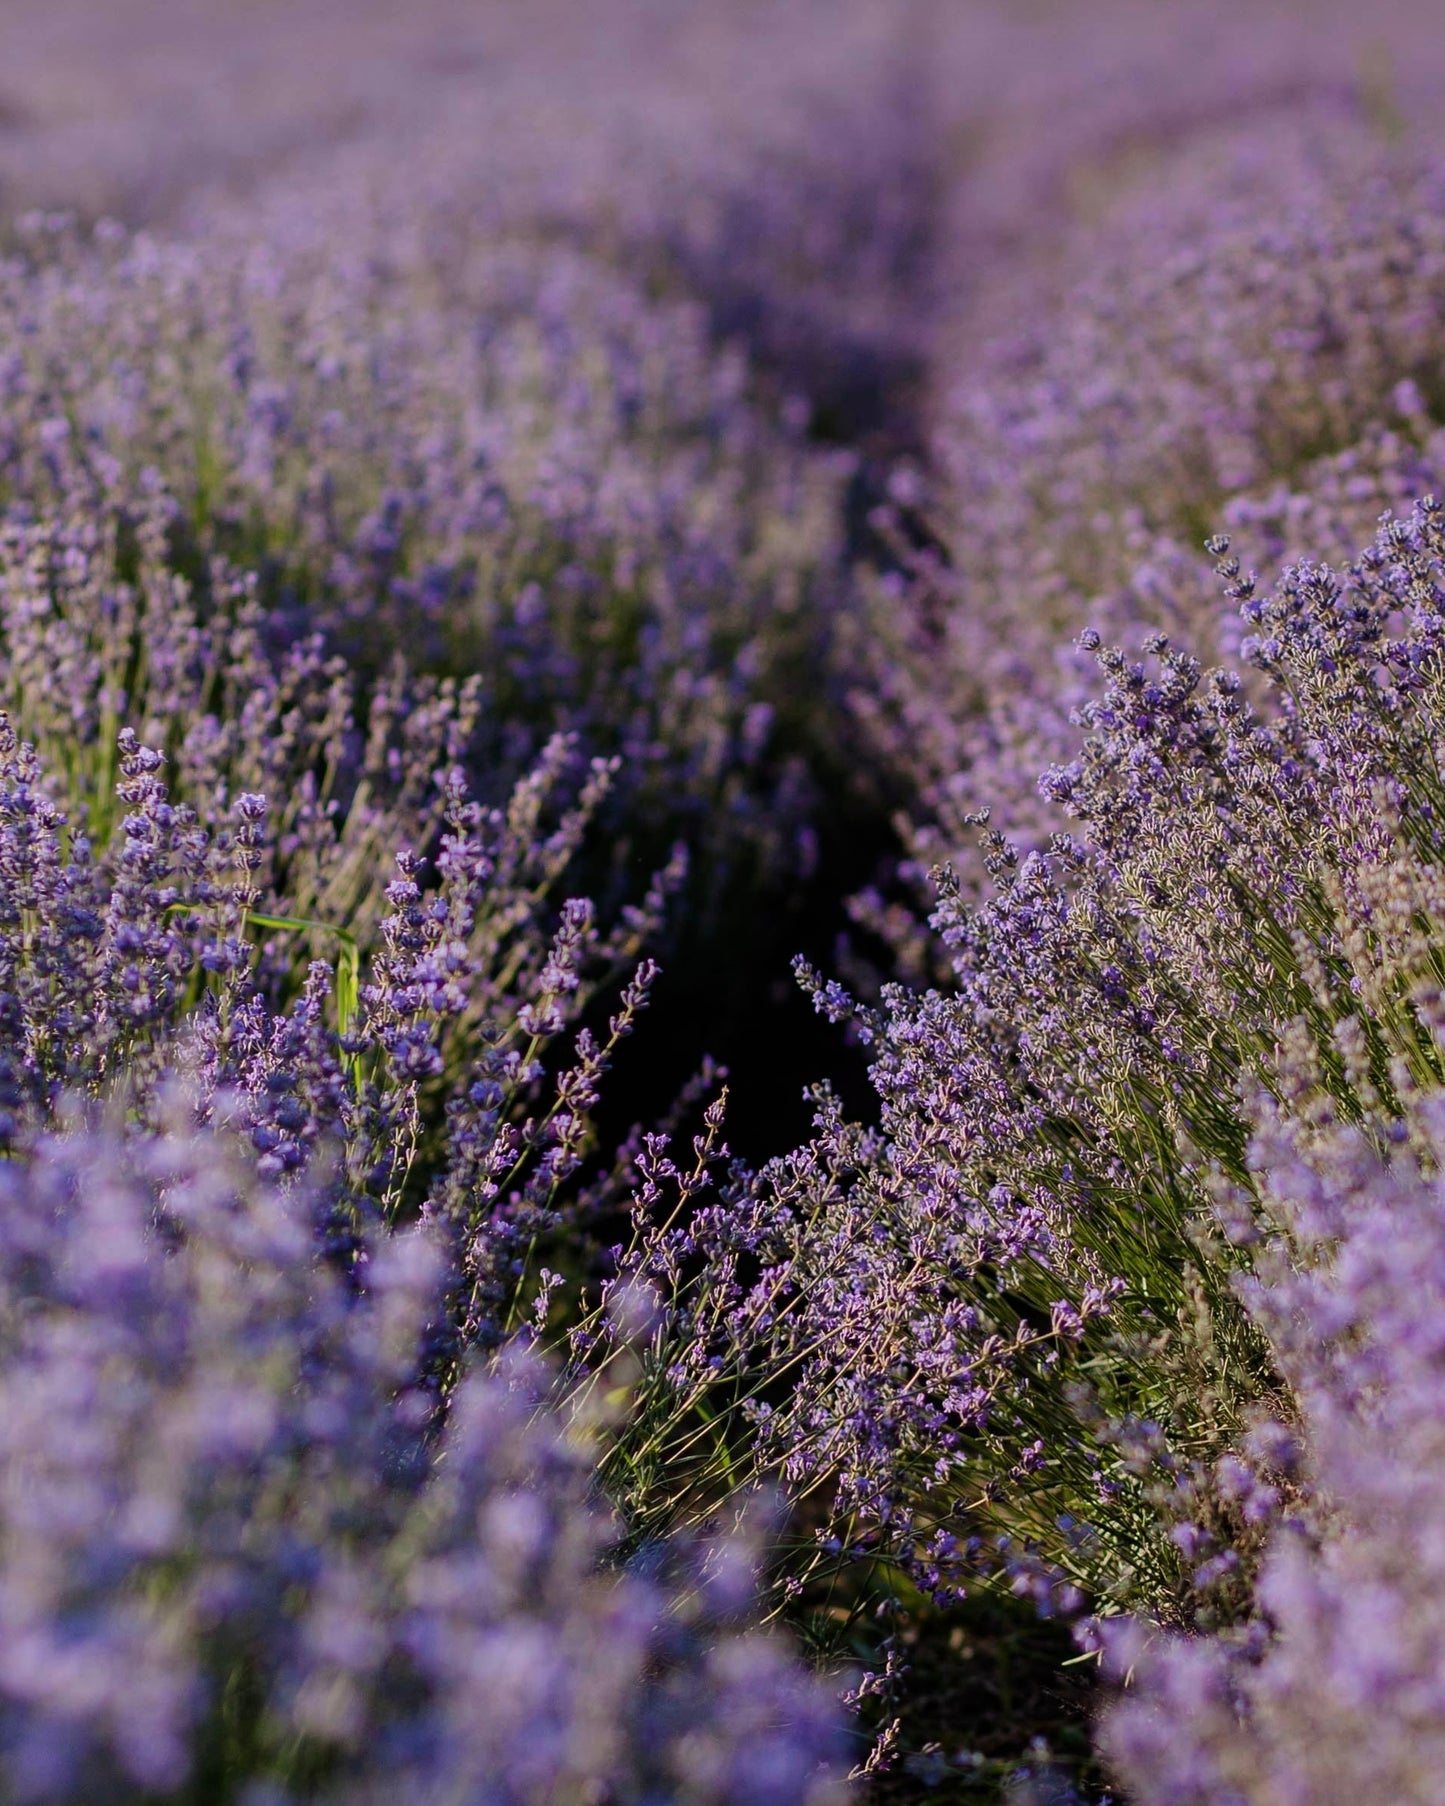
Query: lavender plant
point(577, 502)
point(1243, 331)
point(244, 1543)
point(383, 959)
point(1000, 1335)
point(1333, 1690)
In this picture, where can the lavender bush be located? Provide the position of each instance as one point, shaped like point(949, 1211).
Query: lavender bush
point(573, 503)
point(243, 1542)
point(416, 1041)
point(1034, 1364)
point(1332, 1692)
point(1240, 331)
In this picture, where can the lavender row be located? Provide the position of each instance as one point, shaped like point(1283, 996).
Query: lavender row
point(1026, 1331)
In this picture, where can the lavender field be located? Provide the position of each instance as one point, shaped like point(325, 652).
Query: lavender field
point(722, 903)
